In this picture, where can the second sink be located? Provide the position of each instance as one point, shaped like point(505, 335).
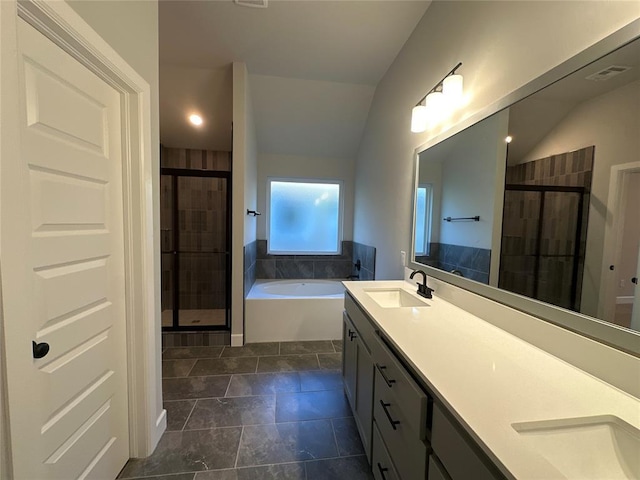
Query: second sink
point(586, 448)
point(394, 298)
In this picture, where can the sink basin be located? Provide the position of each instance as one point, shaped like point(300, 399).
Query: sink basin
point(394, 298)
point(588, 447)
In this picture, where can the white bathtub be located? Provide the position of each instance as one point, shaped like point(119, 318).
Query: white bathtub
point(289, 310)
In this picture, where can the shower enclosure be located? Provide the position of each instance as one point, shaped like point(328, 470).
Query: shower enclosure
point(542, 254)
point(195, 237)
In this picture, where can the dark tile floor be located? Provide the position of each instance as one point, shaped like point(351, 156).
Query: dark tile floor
point(262, 411)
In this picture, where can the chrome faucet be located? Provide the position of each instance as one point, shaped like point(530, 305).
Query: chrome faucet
point(423, 290)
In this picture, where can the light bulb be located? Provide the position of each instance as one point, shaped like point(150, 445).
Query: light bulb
point(452, 89)
point(508, 139)
point(195, 119)
point(419, 119)
point(435, 107)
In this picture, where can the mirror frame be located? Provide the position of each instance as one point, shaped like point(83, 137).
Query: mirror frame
point(596, 329)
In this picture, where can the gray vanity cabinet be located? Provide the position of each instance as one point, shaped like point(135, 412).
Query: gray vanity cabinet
point(357, 369)
point(459, 455)
point(400, 415)
point(408, 434)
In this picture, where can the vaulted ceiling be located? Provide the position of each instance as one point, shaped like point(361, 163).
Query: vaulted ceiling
point(313, 67)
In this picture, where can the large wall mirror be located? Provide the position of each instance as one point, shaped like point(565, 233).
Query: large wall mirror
point(538, 205)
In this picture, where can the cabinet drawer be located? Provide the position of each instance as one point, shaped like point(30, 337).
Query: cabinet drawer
point(436, 470)
point(381, 463)
point(360, 320)
point(399, 430)
point(396, 382)
point(461, 460)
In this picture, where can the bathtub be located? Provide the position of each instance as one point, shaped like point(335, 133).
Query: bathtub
point(290, 310)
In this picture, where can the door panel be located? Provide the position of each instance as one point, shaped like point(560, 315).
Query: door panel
point(63, 283)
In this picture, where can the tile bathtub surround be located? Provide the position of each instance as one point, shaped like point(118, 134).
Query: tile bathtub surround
point(250, 257)
point(367, 256)
point(291, 423)
point(304, 266)
point(472, 262)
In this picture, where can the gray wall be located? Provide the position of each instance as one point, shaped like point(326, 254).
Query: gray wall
point(503, 45)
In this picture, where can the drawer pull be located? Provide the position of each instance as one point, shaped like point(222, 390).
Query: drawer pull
point(391, 420)
point(382, 470)
point(387, 380)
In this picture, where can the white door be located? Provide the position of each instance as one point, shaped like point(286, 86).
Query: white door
point(63, 270)
point(625, 294)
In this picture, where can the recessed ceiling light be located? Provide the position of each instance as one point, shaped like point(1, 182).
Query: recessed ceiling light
point(195, 119)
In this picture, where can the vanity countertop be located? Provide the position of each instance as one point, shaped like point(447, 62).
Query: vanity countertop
point(490, 379)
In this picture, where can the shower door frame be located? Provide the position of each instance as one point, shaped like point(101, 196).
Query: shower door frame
point(175, 173)
point(542, 190)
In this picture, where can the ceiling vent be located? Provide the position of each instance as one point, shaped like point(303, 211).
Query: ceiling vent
point(607, 73)
point(252, 3)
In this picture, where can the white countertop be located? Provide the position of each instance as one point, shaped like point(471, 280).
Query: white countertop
point(490, 379)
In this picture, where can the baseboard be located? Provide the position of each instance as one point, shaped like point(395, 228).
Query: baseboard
point(161, 426)
point(237, 339)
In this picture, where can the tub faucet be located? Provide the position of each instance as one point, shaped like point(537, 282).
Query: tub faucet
point(353, 277)
point(423, 290)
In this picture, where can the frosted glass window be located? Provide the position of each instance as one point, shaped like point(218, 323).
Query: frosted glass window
point(304, 217)
point(423, 219)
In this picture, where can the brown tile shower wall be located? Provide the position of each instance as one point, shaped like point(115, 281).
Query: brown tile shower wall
point(520, 226)
point(202, 205)
point(315, 266)
point(570, 169)
point(195, 159)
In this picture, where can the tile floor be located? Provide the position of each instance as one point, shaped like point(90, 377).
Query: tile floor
point(262, 411)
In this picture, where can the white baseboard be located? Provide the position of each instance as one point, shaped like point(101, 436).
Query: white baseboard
point(237, 339)
point(161, 426)
point(624, 300)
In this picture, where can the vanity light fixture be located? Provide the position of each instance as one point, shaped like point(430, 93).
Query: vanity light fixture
point(195, 119)
point(441, 99)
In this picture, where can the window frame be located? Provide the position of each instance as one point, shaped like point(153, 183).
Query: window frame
point(327, 181)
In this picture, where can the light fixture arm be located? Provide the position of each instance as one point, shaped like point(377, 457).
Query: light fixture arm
point(434, 89)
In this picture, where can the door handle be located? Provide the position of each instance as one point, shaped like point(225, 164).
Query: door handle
point(634, 280)
point(39, 349)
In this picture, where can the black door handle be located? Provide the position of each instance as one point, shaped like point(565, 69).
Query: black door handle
point(40, 349)
point(634, 280)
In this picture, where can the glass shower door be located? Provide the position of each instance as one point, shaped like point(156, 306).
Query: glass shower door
point(195, 250)
point(202, 252)
point(167, 249)
point(543, 247)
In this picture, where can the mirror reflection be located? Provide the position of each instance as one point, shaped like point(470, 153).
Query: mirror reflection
point(541, 199)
